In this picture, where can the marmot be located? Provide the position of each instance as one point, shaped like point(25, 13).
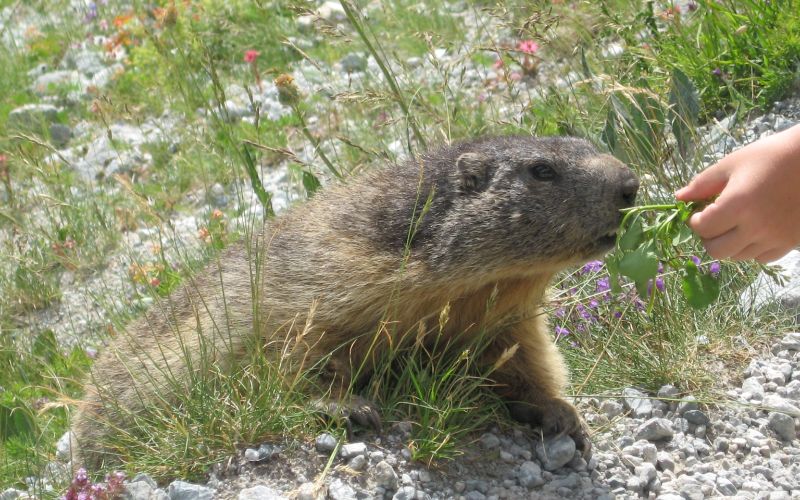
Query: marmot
point(487, 219)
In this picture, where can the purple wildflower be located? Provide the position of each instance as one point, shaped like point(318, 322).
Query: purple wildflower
point(717, 72)
point(91, 12)
point(592, 267)
point(602, 285)
point(81, 477)
point(561, 312)
point(714, 268)
point(594, 304)
point(696, 260)
point(561, 331)
point(659, 285)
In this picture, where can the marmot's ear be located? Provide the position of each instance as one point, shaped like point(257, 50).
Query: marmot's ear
point(473, 171)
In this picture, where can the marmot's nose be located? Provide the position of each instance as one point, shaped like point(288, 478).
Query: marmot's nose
point(629, 188)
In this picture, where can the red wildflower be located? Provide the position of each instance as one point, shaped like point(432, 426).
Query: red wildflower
point(250, 55)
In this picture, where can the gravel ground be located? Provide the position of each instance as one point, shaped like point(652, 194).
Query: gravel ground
point(667, 448)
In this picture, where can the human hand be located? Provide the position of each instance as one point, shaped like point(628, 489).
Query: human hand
point(757, 213)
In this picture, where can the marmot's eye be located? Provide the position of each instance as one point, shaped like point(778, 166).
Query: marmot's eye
point(542, 172)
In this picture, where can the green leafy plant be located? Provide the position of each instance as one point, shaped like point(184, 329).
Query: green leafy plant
point(653, 236)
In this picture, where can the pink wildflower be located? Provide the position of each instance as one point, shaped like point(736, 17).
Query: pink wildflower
point(528, 46)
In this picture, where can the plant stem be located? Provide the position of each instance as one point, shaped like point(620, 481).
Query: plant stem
point(351, 16)
point(314, 142)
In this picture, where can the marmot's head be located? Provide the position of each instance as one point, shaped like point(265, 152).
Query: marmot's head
point(527, 201)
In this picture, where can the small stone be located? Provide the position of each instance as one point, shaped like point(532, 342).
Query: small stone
point(136, 490)
point(358, 462)
point(611, 408)
point(59, 134)
point(332, 12)
point(384, 475)
point(696, 417)
point(261, 492)
point(339, 490)
point(688, 403)
point(352, 449)
point(144, 478)
point(775, 402)
point(664, 461)
point(529, 475)
point(646, 472)
point(413, 62)
point(782, 123)
point(783, 425)
point(506, 456)
point(474, 495)
point(791, 341)
point(655, 429)
point(217, 197)
point(405, 493)
point(325, 443)
point(263, 452)
point(64, 447)
point(637, 402)
point(490, 441)
point(725, 487)
point(353, 63)
point(32, 117)
point(181, 490)
point(55, 81)
point(555, 452)
point(307, 491)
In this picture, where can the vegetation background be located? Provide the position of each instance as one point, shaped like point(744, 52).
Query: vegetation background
point(641, 79)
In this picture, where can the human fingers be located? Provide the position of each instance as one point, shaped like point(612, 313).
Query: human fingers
point(773, 254)
point(714, 220)
point(751, 251)
point(706, 184)
point(727, 245)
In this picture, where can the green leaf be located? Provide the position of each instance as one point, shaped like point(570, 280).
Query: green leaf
point(699, 289)
point(633, 235)
point(685, 210)
point(45, 347)
point(609, 134)
point(640, 265)
point(258, 188)
point(684, 109)
point(16, 419)
point(310, 182)
point(684, 235)
point(612, 266)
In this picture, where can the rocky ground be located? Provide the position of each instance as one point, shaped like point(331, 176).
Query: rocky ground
point(665, 445)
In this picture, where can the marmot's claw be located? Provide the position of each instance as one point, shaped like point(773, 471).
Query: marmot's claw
point(364, 414)
point(554, 417)
point(356, 410)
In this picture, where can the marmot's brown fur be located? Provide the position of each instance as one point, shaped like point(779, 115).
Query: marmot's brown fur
point(505, 214)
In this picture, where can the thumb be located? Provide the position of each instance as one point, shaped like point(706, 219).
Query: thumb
point(706, 184)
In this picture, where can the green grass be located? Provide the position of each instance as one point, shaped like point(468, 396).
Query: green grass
point(643, 106)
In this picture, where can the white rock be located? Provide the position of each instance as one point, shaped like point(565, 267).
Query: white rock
point(64, 447)
point(352, 449)
point(775, 402)
point(261, 492)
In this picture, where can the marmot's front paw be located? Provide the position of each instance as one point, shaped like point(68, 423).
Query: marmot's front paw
point(553, 417)
point(356, 410)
